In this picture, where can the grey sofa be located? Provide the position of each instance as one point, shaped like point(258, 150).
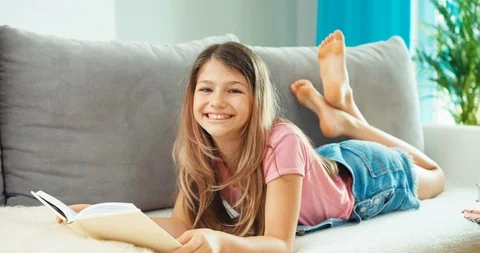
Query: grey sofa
point(94, 121)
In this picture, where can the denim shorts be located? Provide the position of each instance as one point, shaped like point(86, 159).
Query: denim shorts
point(383, 180)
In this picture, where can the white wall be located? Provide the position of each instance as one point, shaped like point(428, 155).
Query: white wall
point(85, 19)
point(307, 22)
point(254, 22)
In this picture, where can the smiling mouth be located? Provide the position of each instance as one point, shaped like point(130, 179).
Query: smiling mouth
point(218, 116)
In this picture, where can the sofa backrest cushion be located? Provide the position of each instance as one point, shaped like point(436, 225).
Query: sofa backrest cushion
point(91, 122)
point(2, 193)
point(381, 76)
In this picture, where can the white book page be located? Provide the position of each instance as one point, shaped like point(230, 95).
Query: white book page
point(62, 210)
point(106, 209)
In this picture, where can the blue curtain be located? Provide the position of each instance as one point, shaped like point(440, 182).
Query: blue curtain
point(364, 21)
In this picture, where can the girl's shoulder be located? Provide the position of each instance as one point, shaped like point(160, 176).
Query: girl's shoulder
point(282, 128)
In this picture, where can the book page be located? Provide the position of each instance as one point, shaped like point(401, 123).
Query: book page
point(105, 209)
point(62, 210)
point(77, 228)
point(131, 227)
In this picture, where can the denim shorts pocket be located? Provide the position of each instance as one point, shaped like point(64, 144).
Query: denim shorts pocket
point(375, 204)
point(378, 159)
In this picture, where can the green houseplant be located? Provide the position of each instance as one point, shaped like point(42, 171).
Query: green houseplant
point(453, 57)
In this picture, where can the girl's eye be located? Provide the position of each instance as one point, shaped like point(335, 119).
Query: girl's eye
point(234, 91)
point(204, 89)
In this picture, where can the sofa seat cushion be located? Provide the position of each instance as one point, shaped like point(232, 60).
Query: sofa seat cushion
point(438, 226)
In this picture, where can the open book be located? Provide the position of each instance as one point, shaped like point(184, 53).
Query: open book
point(112, 221)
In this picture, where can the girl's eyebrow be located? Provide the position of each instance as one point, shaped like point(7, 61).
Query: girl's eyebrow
point(226, 83)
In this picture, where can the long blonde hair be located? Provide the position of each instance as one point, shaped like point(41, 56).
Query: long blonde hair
point(195, 154)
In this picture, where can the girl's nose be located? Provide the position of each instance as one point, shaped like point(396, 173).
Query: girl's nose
point(218, 100)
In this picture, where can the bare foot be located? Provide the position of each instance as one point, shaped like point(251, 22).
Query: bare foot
point(333, 122)
point(333, 71)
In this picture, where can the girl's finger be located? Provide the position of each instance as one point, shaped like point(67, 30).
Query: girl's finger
point(184, 238)
point(189, 243)
point(202, 249)
point(191, 246)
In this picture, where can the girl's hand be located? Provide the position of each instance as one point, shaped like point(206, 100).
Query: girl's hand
point(200, 241)
point(77, 208)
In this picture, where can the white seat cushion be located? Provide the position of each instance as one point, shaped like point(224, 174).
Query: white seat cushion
point(438, 226)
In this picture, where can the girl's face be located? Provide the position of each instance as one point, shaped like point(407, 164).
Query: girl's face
point(222, 100)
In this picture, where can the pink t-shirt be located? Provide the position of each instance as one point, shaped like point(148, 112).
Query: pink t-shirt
point(322, 196)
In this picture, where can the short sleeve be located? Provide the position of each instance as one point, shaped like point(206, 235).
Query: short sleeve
point(288, 156)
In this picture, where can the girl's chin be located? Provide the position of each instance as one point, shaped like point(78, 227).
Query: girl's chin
point(221, 135)
point(217, 134)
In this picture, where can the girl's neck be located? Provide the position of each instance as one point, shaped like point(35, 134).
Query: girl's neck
point(227, 149)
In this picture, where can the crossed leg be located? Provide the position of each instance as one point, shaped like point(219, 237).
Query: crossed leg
point(339, 115)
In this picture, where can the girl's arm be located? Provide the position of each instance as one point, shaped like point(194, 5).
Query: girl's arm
point(282, 208)
point(281, 212)
point(177, 224)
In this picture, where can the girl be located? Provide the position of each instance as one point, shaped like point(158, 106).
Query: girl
point(248, 178)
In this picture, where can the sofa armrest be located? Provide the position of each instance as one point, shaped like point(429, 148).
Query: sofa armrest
point(455, 149)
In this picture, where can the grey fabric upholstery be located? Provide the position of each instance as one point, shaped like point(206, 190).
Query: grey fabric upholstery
point(382, 78)
point(95, 121)
point(91, 121)
point(2, 193)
